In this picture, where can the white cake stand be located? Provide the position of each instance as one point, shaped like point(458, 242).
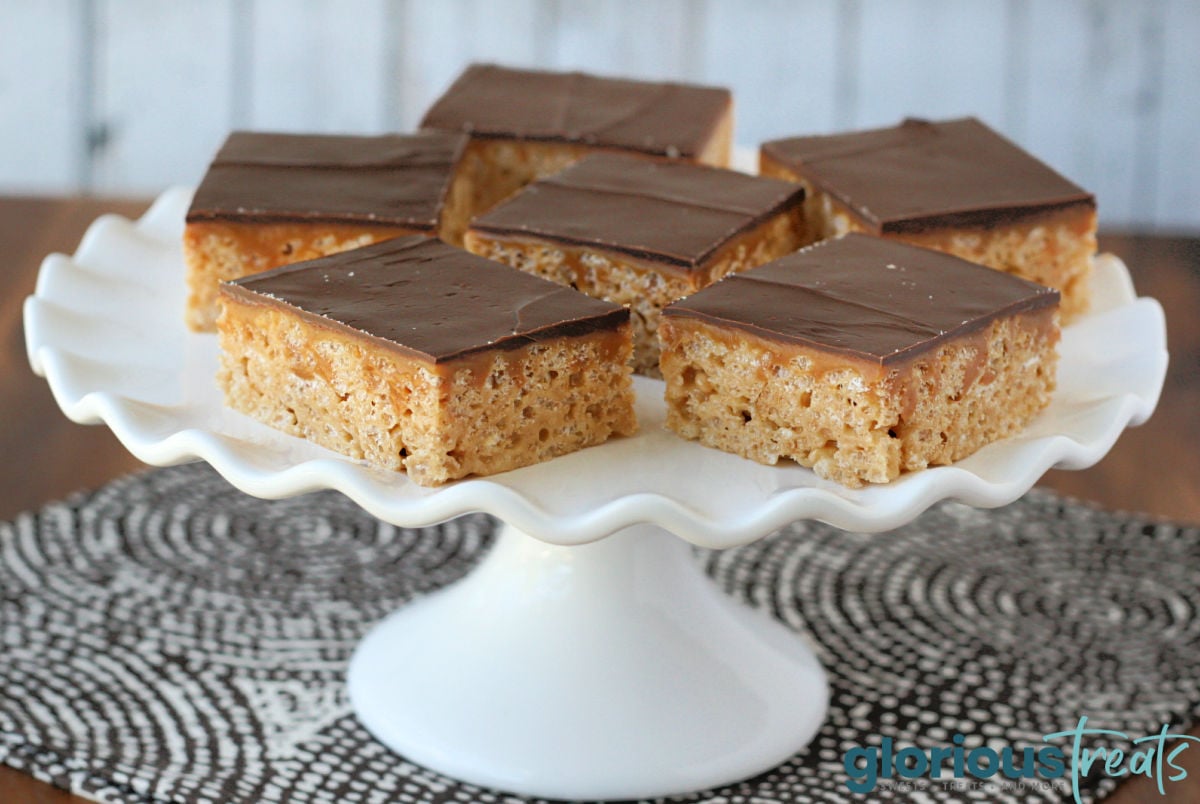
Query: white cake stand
point(586, 657)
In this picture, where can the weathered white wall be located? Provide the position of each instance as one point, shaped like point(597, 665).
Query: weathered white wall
point(128, 96)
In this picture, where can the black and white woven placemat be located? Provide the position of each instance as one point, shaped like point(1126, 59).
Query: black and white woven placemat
point(169, 639)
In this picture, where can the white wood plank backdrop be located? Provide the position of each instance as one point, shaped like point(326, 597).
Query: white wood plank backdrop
point(125, 97)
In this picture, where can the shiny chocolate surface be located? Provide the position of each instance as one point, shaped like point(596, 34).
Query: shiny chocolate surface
point(429, 300)
point(672, 212)
point(864, 297)
point(662, 118)
point(392, 180)
point(924, 175)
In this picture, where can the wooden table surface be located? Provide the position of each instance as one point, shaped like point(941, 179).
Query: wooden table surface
point(1154, 468)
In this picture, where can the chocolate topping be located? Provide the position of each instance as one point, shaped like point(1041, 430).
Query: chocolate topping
point(922, 175)
point(672, 212)
point(657, 118)
point(430, 300)
point(864, 297)
point(389, 180)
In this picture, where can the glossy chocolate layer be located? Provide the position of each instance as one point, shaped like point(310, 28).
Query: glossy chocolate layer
point(923, 175)
point(864, 297)
point(672, 212)
point(651, 117)
point(429, 300)
point(390, 180)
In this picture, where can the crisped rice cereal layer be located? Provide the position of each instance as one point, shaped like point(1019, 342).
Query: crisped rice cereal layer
point(849, 420)
point(482, 414)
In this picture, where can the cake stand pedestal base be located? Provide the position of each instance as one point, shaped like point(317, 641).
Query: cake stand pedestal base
point(614, 669)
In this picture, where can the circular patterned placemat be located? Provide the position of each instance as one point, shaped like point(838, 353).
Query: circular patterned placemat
point(170, 639)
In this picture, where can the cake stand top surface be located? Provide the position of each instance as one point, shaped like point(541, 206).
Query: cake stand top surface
point(105, 327)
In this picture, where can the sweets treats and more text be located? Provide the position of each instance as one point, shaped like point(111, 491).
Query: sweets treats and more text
point(474, 297)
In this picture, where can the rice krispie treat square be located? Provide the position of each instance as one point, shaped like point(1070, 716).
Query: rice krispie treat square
point(860, 357)
point(416, 356)
point(525, 124)
point(641, 233)
point(273, 199)
point(956, 186)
